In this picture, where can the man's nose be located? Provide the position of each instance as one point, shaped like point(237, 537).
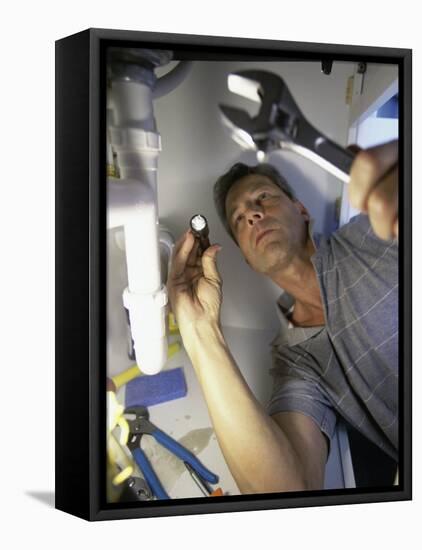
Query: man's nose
point(254, 215)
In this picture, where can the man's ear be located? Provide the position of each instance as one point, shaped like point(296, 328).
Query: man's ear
point(302, 210)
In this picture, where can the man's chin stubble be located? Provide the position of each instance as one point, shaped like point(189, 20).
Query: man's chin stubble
point(276, 260)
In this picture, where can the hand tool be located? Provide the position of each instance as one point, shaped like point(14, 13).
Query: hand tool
point(140, 426)
point(131, 373)
point(138, 489)
point(200, 230)
point(117, 456)
point(115, 417)
point(203, 485)
point(280, 124)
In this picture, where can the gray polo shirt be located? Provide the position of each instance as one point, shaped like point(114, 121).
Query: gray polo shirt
point(349, 366)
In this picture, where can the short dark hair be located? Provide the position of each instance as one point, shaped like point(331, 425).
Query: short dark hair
point(239, 170)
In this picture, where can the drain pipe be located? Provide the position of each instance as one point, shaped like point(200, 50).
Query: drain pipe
point(132, 200)
point(145, 298)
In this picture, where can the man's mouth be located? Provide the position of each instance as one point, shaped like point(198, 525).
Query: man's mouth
point(261, 235)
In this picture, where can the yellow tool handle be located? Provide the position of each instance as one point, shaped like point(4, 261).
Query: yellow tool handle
point(133, 372)
point(126, 376)
point(173, 326)
point(118, 456)
point(173, 349)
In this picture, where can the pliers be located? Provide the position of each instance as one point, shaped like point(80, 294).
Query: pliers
point(140, 426)
point(280, 124)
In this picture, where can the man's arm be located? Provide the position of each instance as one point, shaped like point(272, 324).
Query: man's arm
point(310, 444)
point(263, 454)
point(284, 453)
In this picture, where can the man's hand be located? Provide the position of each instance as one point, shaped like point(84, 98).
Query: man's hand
point(373, 187)
point(194, 284)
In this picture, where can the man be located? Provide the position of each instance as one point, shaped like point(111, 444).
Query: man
point(339, 355)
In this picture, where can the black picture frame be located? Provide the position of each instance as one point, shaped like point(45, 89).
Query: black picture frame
point(80, 268)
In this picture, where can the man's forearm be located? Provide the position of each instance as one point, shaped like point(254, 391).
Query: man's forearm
point(259, 455)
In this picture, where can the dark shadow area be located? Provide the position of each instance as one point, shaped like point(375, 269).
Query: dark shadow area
point(372, 467)
point(45, 497)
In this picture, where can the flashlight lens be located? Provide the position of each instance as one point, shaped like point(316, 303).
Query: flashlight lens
point(261, 156)
point(198, 222)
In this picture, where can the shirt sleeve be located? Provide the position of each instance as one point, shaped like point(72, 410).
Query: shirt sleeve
point(294, 391)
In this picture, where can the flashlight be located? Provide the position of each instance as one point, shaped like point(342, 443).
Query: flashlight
point(200, 230)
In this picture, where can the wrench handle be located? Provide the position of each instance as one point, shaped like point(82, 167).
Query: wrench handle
point(312, 144)
point(333, 153)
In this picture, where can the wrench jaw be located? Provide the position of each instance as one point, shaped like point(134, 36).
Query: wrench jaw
point(244, 86)
point(239, 125)
point(242, 129)
point(280, 124)
point(276, 120)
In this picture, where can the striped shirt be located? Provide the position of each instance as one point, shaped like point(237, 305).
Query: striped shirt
point(349, 366)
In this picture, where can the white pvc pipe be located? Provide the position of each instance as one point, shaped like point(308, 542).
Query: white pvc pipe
point(131, 204)
point(172, 79)
point(133, 105)
point(167, 243)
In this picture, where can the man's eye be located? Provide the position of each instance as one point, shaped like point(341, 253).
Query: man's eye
point(238, 218)
point(264, 195)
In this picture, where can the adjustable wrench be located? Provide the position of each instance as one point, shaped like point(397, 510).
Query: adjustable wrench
point(280, 124)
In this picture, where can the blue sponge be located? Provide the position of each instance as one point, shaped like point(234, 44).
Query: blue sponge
point(150, 390)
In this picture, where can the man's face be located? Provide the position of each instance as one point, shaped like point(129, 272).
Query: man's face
point(269, 227)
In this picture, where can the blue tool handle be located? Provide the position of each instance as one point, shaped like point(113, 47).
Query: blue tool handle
point(150, 476)
point(185, 455)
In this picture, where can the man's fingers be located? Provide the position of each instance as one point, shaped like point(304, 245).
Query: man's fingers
point(181, 254)
point(193, 259)
point(354, 148)
point(209, 263)
point(367, 169)
point(179, 243)
point(382, 206)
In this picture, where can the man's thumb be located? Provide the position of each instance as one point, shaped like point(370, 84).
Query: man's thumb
point(209, 263)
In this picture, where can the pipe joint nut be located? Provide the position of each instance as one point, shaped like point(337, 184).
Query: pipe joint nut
point(144, 302)
point(134, 138)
